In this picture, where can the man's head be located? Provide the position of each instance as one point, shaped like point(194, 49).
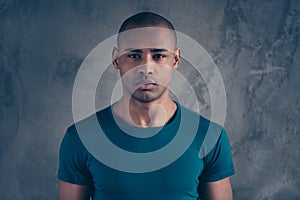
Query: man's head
point(146, 19)
point(146, 54)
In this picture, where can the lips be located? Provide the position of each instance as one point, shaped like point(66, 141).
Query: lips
point(145, 84)
point(148, 86)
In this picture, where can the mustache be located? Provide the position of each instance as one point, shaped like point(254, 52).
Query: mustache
point(144, 79)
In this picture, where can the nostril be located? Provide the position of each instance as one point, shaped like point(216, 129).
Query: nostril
point(141, 72)
point(145, 69)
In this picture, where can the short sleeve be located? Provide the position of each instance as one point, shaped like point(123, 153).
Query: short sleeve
point(218, 162)
point(73, 156)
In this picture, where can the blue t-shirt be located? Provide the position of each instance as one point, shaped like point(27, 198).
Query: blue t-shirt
point(178, 180)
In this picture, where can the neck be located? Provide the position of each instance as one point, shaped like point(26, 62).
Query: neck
point(152, 114)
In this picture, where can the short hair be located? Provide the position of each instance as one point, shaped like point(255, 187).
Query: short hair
point(146, 19)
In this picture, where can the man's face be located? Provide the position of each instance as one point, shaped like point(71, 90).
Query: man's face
point(146, 58)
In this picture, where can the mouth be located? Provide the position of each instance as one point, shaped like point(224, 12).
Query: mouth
point(145, 84)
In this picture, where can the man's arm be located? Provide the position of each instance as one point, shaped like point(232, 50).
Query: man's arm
point(69, 191)
point(217, 190)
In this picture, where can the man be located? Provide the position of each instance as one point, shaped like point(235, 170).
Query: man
point(146, 56)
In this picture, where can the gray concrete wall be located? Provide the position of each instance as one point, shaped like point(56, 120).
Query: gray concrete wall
point(255, 44)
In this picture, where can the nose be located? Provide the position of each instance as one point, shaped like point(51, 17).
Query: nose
point(146, 66)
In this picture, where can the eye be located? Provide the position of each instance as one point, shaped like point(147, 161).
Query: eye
point(134, 56)
point(159, 56)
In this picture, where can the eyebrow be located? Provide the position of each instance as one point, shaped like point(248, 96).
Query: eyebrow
point(155, 50)
point(134, 50)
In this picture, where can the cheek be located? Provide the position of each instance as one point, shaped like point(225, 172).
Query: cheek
point(126, 68)
point(126, 65)
point(165, 75)
point(127, 73)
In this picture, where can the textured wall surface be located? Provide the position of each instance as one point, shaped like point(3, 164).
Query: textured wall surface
point(255, 44)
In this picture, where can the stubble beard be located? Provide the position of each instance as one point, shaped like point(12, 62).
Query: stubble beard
point(148, 96)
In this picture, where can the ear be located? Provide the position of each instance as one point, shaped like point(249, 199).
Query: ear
point(177, 58)
point(115, 55)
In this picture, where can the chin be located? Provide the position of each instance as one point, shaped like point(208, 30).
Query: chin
point(145, 98)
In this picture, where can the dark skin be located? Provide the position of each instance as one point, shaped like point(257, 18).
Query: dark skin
point(146, 101)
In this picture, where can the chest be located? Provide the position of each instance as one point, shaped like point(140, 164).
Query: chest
point(178, 180)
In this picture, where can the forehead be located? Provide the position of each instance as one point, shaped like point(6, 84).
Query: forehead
point(147, 38)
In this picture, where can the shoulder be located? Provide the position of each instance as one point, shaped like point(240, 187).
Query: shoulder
point(88, 123)
point(203, 123)
point(81, 134)
point(75, 131)
point(209, 133)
